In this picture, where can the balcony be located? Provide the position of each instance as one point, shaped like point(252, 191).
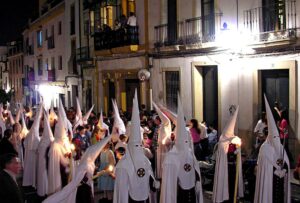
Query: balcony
point(109, 39)
point(25, 82)
point(29, 50)
point(191, 31)
point(51, 75)
point(31, 74)
point(270, 24)
point(83, 54)
point(50, 42)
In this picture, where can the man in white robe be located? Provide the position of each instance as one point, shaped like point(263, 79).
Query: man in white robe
point(31, 143)
point(118, 126)
point(181, 178)
point(273, 176)
point(228, 154)
point(133, 171)
point(164, 140)
point(59, 158)
point(86, 169)
point(42, 170)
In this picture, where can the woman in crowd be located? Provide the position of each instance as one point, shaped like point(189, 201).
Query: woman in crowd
point(106, 181)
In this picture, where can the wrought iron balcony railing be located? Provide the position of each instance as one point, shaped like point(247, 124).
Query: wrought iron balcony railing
point(31, 74)
point(51, 75)
point(271, 22)
point(82, 54)
point(191, 31)
point(116, 38)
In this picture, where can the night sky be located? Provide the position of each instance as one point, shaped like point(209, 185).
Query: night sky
point(14, 15)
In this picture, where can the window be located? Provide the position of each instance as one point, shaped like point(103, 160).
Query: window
point(46, 64)
point(59, 28)
point(52, 63)
point(274, 15)
point(72, 20)
point(40, 66)
point(46, 34)
point(208, 19)
point(171, 89)
point(39, 38)
point(60, 62)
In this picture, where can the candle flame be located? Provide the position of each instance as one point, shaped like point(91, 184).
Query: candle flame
point(237, 141)
point(110, 168)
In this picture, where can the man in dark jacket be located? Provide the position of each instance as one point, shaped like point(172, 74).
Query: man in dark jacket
point(9, 189)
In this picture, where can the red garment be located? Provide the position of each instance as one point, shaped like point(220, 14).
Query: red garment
point(283, 128)
point(195, 135)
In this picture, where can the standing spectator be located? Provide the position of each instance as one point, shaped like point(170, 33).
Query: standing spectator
point(81, 141)
point(195, 133)
point(131, 20)
point(6, 144)
point(259, 129)
point(132, 31)
point(106, 182)
point(9, 189)
point(212, 135)
point(283, 127)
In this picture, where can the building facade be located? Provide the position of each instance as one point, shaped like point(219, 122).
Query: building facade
point(48, 56)
point(15, 70)
point(224, 54)
point(3, 68)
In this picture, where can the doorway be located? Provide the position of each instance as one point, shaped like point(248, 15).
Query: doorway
point(131, 85)
point(275, 84)
point(111, 94)
point(205, 90)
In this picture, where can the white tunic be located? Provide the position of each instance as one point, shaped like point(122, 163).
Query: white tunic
point(220, 190)
point(264, 177)
point(174, 174)
point(30, 160)
point(56, 157)
point(128, 183)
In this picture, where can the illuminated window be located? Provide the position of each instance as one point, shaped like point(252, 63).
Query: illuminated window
point(39, 38)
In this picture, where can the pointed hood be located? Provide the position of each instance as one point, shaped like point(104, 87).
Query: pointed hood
point(228, 131)
point(273, 134)
point(101, 124)
point(52, 115)
point(93, 151)
point(119, 126)
point(63, 116)
point(87, 115)
point(166, 128)
point(60, 130)
point(19, 112)
point(182, 142)
point(24, 130)
point(11, 118)
point(33, 136)
point(134, 146)
point(78, 109)
point(47, 136)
